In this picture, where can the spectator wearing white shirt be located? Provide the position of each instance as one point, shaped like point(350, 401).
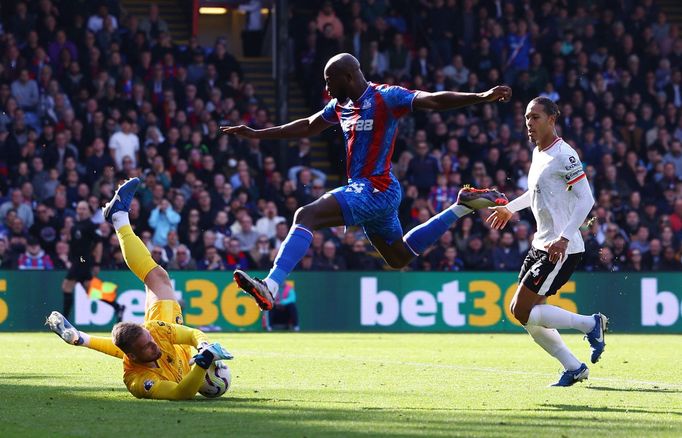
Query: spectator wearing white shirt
point(124, 143)
point(457, 71)
point(25, 91)
point(268, 223)
point(96, 22)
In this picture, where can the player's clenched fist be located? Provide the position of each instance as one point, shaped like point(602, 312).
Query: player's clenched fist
point(240, 130)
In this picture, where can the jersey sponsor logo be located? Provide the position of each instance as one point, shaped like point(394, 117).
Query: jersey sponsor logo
point(367, 104)
point(571, 175)
point(148, 384)
point(355, 187)
point(161, 323)
point(360, 124)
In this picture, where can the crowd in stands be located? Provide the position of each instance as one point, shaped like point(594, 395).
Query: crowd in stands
point(91, 95)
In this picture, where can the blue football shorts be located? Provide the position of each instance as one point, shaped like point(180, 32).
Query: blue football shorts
point(376, 211)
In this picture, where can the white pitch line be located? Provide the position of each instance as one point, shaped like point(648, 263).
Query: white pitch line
point(492, 370)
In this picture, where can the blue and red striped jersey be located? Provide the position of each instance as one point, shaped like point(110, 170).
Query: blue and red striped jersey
point(370, 126)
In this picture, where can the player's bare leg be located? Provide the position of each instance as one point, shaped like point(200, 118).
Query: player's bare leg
point(322, 213)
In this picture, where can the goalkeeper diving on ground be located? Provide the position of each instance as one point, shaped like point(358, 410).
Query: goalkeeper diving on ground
point(157, 358)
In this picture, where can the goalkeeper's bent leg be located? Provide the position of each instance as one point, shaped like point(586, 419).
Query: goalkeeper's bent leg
point(101, 344)
point(135, 253)
point(139, 261)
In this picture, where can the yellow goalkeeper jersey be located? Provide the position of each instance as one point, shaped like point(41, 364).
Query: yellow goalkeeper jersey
point(175, 342)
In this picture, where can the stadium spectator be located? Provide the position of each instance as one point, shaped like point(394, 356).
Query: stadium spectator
point(359, 260)
point(284, 313)
point(328, 259)
point(163, 219)
point(212, 261)
point(247, 235)
point(450, 261)
point(153, 25)
point(261, 253)
point(71, 89)
point(423, 169)
point(34, 258)
point(235, 257)
point(267, 224)
point(506, 256)
point(124, 143)
point(182, 260)
point(21, 209)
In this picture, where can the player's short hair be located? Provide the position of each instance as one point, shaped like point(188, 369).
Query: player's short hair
point(124, 334)
point(548, 105)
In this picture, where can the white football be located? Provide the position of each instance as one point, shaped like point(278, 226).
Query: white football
point(216, 381)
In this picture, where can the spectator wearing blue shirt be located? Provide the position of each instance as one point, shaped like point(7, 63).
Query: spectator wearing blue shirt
point(163, 219)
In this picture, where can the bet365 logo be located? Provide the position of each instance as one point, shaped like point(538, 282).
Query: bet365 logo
point(659, 308)
point(360, 124)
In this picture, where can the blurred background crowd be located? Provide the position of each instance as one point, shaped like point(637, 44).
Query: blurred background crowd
point(91, 95)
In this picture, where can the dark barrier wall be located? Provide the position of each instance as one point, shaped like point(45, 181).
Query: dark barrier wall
point(358, 301)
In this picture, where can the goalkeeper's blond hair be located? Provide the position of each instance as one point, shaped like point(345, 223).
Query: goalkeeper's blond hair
point(124, 334)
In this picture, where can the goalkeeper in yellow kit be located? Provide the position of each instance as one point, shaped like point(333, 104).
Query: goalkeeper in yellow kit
point(157, 359)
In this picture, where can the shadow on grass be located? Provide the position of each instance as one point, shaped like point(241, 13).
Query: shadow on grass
point(593, 409)
point(609, 388)
point(94, 411)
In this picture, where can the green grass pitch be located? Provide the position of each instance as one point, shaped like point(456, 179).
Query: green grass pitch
point(313, 385)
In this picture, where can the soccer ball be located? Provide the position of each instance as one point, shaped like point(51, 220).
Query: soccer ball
point(216, 380)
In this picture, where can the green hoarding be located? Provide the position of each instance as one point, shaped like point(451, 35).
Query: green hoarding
point(358, 301)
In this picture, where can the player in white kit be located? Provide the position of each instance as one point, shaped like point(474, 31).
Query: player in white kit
point(560, 199)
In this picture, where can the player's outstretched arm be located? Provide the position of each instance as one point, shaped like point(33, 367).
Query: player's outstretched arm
point(167, 390)
point(448, 100)
point(307, 127)
point(146, 387)
point(502, 214)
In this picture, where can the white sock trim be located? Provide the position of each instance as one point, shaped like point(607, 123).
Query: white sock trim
point(408, 245)
point(272, 285)
point(86, 339)
point(120, 219)
point(460, 210)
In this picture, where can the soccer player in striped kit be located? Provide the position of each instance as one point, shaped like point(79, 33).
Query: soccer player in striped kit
point(368, 114)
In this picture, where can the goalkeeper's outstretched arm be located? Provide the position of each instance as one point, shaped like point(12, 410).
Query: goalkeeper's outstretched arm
point(167, 390)
point(142, 387)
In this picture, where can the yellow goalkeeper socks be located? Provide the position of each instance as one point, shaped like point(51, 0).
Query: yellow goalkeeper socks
point(135, 253)
point(104, 345)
